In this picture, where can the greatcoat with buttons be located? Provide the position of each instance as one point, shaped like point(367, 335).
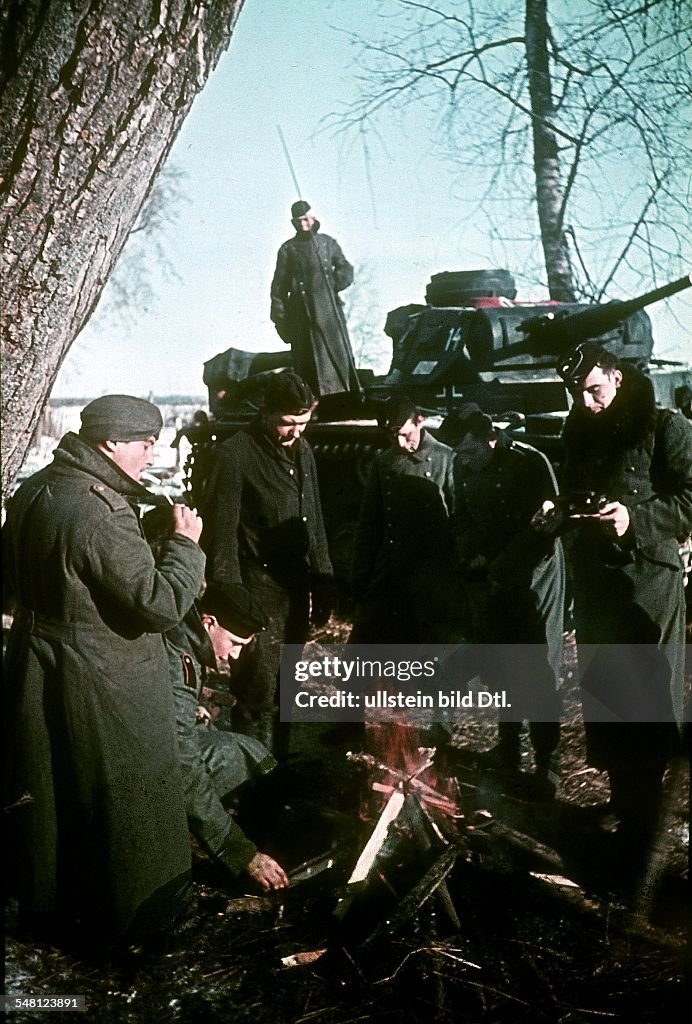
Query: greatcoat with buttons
point(402, 561)
point(308, 312)
point(263, 527)
point(628, 591)
point(100, 843)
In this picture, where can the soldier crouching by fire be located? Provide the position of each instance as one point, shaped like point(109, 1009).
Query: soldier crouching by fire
point(221, 624)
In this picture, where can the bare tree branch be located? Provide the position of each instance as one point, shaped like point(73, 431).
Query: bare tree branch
point(617, 94)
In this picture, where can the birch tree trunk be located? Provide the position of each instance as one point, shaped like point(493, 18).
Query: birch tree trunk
point(549, 181)
point(92, 95)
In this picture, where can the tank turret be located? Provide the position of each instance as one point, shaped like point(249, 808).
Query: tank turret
point(470, 341)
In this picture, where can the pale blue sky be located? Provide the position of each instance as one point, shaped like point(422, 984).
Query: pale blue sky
point(288, 63)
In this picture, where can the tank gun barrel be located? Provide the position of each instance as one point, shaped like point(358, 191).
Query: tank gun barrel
point(555, 332)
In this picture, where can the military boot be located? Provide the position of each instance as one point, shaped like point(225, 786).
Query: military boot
point(545, 781)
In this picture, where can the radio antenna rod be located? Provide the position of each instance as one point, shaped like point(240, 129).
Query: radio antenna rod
point(289, 161)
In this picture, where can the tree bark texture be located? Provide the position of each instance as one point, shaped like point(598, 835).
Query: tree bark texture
point(549, 185)
point(92, 95)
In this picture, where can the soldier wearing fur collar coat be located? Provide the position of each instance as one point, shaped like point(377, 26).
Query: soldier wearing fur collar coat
point(627, 578)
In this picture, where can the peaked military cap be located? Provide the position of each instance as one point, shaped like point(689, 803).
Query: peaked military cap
point(580, 361)
point(395, 411)
point(120, 418)
point(467, 418)
point(299, 209)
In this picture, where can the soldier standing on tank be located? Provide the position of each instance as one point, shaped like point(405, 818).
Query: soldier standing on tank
point(515, 587)
point(307, 310)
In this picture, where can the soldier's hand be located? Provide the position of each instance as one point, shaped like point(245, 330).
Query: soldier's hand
point(549, 518)
point(478, 562)
point(264, 870)
point(187, 522)
point(202, 716)
point(617, 516)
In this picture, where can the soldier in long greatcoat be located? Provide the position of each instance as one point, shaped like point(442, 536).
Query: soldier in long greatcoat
point(306, 307)
point(98, 839)
point(628, 577)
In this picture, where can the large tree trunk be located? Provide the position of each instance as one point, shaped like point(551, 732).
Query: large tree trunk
point(549, 188)
point(92, 95)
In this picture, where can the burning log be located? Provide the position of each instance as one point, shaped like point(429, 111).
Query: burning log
point(310, 869)
point(308, 956)
point(374, 844)
point(406, 849)
point(431, 882)
point(422, 828)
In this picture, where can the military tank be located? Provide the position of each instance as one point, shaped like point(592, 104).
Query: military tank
point(470, 341)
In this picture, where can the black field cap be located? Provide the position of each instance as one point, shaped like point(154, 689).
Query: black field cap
point(395, 411)
point(467, 418)
point(288, 394)
point(234, 608)
point(299, 209)
point(467, 411)
point(580, 361)
point(120, 418)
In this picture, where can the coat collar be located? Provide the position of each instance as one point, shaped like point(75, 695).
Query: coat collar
point(627, 421)
point(423, 450)
point(190, 635)
point(303, 236)
point(427, 443)
point(291, 457)
point(74, 452)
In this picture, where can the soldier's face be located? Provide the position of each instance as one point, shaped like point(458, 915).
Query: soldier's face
point(133, 457)
point(227, 646)
point(408, 435)
point(286, 428)
point(304, 223)
point(474, 452)
point(598, 389)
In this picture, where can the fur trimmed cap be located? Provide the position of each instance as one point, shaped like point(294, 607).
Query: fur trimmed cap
point(120, 418)
point(234, 608)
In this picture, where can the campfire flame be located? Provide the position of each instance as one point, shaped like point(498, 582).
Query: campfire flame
point(406, 767)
